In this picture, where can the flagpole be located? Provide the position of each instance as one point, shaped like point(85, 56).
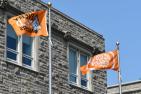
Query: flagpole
point(119, 71)
point(50, 44)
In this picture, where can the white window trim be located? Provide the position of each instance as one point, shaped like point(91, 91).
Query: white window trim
point(78, 79)
point(35, 46)
point(35, 53)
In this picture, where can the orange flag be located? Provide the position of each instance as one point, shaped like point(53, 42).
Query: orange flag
point(102, 61)
point(84, 69)
point(32, 23)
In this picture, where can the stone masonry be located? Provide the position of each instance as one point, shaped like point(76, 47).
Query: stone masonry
point(16, 79)
point(127, 88)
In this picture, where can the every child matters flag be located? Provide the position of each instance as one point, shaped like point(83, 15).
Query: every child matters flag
point(31, 23)
point(102, 61)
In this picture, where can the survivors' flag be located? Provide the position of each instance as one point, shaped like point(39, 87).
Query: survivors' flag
point(32, 23)
point(102, 61)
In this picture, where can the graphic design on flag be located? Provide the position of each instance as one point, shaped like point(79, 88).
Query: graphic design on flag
point(31, 23)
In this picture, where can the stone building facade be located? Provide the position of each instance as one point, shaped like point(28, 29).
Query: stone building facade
point(24, 60)
point(127, 88)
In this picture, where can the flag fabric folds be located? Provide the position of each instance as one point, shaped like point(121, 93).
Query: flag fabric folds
point(84, 69)
point(102, 61)
point(31, 23)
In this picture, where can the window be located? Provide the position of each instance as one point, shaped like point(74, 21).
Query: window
point(78, 58)
point(21, 50)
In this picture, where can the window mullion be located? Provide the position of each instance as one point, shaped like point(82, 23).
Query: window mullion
point(78, 68)
point(89, 84)
point(89, 80)
point(19, 49)
point(34, 53)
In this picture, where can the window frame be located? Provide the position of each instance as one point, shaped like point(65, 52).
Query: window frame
point(34, 52)
point(79, 50)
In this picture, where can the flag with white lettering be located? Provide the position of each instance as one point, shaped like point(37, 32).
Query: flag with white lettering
point(31, 23)
point(102, 61)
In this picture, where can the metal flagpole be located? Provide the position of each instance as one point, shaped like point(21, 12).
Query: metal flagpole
point(119, 71)
point(50, 44)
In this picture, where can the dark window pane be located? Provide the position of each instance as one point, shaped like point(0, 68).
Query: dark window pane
point(72, 61)
point(11, 43)
point(11, 55)
point(26, 49)
point(12, 38)
point(27, 45)
point(72, 78)
point(26, 61)
point(83, 59)
point(84, 82)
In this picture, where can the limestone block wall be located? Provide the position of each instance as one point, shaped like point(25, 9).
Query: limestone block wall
point(16, 79)
point(127, 88)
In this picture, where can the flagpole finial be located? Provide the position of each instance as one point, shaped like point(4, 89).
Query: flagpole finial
point(117, 43)
point(49, 4)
